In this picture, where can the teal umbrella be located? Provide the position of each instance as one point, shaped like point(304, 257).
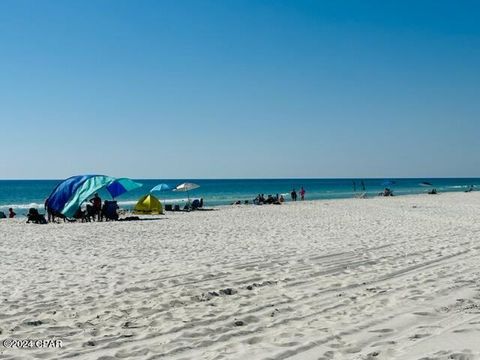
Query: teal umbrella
point(121, 186)
point(161, 188)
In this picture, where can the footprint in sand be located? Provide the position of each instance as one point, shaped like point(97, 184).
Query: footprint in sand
point(465, 330)
point(383, 331)
point(418, 336)
point(423, 313)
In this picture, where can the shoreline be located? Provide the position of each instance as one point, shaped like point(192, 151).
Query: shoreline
point(221, 206)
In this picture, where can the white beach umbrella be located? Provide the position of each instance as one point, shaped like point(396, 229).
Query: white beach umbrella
point(186, 187)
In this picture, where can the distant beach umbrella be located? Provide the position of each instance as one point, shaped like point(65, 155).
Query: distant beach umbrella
point(425, 183)
point(161, 187)
point(186, 187)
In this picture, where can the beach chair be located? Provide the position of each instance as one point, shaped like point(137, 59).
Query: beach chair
point(109, 210)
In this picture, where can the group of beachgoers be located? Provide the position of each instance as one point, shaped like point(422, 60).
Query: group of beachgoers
point(94, 211)
point(302, 193)
point(279, 199)
point(273, 199)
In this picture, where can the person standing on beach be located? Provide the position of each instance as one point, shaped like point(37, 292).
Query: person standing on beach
point(302, 193)
point(96, 202)
point(293, 194)
point(11, 213)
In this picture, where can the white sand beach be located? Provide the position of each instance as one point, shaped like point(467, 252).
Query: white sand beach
point(380, 278)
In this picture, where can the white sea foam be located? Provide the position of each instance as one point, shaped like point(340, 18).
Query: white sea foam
point(22, 206)
point(126, 203)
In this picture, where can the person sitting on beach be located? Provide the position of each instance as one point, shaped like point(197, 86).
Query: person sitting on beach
point(281, 199)
point(259, 200)
point(433, 192)
point(80, 215)
point(11, 213)
point(470, 189)
point(96, 202)
point(270, 199)
point(35, 217)
point(387, 192)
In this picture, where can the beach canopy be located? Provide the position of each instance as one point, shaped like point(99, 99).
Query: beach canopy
point(161, 187)
point(148, 205)
point(69, 195)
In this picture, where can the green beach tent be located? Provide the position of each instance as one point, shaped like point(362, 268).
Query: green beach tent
point(148, 205)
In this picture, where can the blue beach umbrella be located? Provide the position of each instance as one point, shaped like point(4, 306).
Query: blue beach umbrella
point(161, 187)
point(121, 186)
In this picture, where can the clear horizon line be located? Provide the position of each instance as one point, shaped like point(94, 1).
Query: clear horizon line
point(264, 178)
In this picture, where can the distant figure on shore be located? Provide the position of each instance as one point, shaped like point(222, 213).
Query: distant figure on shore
point(96, 202)
point(11, 213)
point(433, 192)
point(282, 199)
point(302, 193)
point(470, 189)
point(293, 194)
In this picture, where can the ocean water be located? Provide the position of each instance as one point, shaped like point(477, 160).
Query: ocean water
point(24, 194)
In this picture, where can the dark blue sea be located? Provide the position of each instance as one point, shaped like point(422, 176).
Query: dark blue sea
point(24, 194)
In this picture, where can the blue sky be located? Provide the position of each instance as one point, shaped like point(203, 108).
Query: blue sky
point(233, 89)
